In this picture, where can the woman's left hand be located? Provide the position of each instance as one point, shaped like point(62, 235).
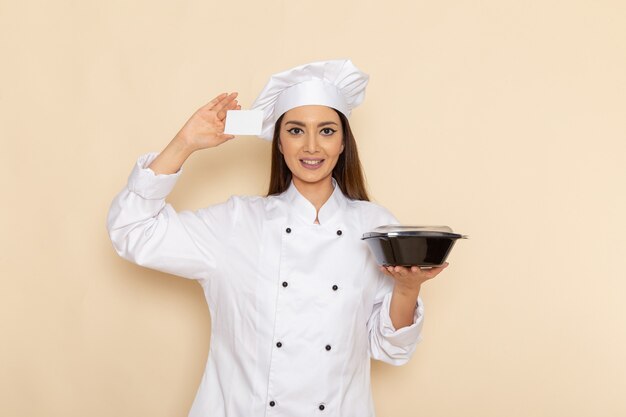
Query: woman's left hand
point(410, 280)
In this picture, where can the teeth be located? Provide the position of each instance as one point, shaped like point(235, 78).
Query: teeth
point(310, 162)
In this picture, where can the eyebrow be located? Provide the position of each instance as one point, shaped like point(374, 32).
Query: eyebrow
point(297, 123)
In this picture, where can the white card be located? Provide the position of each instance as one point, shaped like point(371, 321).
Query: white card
point(244, 122)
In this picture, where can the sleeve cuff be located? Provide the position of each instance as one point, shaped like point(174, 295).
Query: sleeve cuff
point(407, 335)
point(144, 182)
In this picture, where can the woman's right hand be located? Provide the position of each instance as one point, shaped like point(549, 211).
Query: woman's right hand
point(205, 128)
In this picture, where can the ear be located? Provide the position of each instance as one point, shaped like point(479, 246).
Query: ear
point(280, 147)
point(342, 147)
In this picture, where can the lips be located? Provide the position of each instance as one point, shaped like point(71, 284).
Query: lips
point(311, 163)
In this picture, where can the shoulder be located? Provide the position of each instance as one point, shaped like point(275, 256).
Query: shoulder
point(371, 214)
point(234, 206)
point(247, 200)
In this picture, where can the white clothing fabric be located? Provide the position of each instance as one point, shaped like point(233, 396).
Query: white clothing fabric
point(298, 309)
point(335, 83)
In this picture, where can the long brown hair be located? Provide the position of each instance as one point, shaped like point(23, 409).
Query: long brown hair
point(348, 172)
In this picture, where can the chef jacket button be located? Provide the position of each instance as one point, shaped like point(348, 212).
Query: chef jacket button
point(322, 407)
point(279, 344)
point(272, 403)
point(339, 232)
point(285, 283)
point(288, 230)
point(335, 288)
point(327, 347)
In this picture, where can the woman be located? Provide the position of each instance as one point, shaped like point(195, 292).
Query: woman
point(297, 302)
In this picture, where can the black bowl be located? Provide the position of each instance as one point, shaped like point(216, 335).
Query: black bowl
point(425, 246)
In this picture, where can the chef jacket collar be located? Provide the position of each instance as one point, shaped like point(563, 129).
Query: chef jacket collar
point(303, 209)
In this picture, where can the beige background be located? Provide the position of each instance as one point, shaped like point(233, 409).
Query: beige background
point(502, 119)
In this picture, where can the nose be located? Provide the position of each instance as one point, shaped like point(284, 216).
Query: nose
point(311, 143)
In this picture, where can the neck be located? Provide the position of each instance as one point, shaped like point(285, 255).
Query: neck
point(317, 192)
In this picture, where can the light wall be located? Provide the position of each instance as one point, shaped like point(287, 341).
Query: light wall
point(502, 119)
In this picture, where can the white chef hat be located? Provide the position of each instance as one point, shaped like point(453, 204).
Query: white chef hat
point(337, 84)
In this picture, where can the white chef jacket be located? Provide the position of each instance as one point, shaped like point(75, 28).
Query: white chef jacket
point(297, 308)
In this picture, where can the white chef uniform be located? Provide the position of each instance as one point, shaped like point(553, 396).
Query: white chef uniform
point(297, 308)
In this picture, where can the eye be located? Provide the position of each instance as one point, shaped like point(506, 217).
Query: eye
point(294, 130)
point(327, 131)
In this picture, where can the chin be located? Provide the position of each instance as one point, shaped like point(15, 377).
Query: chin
point(312, 179)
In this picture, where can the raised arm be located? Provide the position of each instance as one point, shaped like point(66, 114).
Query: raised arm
point(146, 230)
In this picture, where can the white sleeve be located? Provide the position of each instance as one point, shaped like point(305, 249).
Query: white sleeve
point(385, 342)
point(146, 230)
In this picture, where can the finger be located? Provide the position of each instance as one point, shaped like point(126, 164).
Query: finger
point(433, 272)
point(388, 270)
point(221, 114)
point(394, 271)
point(231, 106)
point(216, 100)
point(225, 102)
point(384, 270)
point(400, 270)
point(224, 137)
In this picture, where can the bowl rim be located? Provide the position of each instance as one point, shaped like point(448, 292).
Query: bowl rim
point(403, 234)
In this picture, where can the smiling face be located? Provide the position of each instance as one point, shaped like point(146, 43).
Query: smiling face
point(311, 140)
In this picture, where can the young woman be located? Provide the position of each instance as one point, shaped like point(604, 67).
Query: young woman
point(297, 302)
